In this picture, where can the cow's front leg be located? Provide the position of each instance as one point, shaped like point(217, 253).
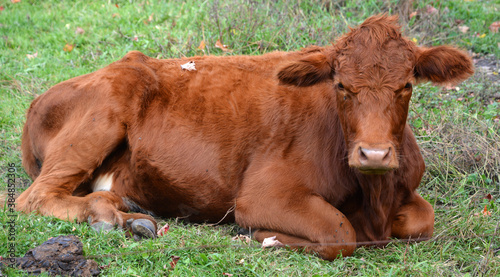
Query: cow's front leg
point(415, 219)
point(274, 202)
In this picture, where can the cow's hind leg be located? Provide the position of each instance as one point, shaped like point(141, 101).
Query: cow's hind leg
point(71, 157)
point(414, 220)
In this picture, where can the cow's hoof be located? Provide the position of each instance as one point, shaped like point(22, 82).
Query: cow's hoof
point(142, 228)
point(102, 226)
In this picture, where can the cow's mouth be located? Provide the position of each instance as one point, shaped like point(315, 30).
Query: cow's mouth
point(374, 171)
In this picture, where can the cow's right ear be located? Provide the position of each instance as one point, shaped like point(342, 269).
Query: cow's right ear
point(309, 70)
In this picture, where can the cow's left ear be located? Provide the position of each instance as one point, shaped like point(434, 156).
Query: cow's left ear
point(309, 70)
point(443, 65)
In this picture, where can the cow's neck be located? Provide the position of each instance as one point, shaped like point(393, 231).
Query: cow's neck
point(378, 199)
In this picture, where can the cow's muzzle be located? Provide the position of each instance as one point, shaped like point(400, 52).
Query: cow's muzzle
point(373, 159)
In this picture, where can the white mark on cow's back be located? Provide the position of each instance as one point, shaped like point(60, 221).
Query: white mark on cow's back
point(190, 66)
point(103, 182)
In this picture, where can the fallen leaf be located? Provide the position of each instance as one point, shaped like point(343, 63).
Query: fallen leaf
point(464, 29)
point(480, 36)
point(68, 47)
point(79, 31)
point(223, 47)
point(116, 5)
point(190, 66)
point(241, 237)
point(271, 242)
point(105, 266)
point(431, 10)
point(227, 274)
point(115, 15)
point(459, 21)
point(413, 14)
point(202, 45)
point(486, 212)
point(450, 87)
point(15, 1)
point(495, 26)
point(150, 18)
point(163, 230)
point(174, 261)
point(32, 56)
point(489, 197)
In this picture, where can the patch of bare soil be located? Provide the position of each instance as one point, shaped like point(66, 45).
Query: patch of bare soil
point(487, 75)
point(62, 255)
point(488, 67)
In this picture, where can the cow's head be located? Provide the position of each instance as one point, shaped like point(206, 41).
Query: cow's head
point(373, 69)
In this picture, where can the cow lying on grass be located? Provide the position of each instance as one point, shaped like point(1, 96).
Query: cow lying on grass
point(309, 146)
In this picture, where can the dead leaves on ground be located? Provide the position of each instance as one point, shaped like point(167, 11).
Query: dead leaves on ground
point(243, 238)
point(32, 56)
point(163, 230)
point(494, 27)
point(430, 10)
point(174, 261)
point(271, 242)
point(68, 47)
point(79, 31)
point(218, 44)
point(221, 46)
point(202, 46)
point(485, 211)
point(464, 29)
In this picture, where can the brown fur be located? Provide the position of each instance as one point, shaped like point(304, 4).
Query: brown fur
point(311, 146)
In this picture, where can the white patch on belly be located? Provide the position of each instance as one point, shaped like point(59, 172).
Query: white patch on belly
point(103, 183)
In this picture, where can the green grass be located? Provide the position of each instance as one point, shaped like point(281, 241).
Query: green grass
point(458, 131)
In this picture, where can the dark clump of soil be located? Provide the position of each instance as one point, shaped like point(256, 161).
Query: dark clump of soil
point(62, 255)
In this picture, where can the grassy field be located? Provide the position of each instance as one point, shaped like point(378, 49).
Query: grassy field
point(45, 42)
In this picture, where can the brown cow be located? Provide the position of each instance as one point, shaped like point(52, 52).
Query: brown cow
point(310, 146)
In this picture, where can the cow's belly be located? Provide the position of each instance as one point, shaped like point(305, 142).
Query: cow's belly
point(178, 174)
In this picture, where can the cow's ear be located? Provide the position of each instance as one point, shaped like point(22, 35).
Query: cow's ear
point(443, 65)
point(309, 70)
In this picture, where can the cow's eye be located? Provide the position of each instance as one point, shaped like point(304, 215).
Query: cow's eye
point(340, 86)
point(408, 86)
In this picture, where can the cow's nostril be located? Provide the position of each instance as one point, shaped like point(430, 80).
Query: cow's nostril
point(388, 155)
point(362, 155)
